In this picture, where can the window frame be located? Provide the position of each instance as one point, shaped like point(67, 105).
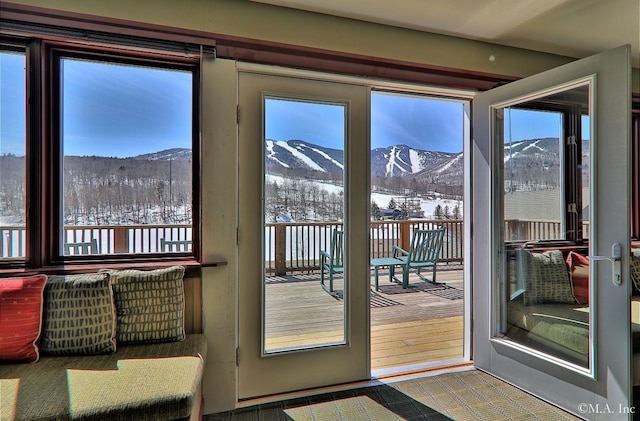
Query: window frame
point(44, 161)
point(570, 164)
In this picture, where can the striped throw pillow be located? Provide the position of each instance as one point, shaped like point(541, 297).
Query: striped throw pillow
point(547, 279)
point(21, 317)
point(150, 305)
point(79, 315)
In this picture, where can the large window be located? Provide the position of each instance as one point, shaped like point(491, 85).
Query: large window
point(13, 116)
point(102, 162)
point(126, 137)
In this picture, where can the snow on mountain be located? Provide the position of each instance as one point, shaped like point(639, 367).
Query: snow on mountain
point(403, 160)
point(297, 154)
point(167, 154)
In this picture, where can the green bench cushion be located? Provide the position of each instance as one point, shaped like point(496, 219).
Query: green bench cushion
point(565, 324)
point(138, 382)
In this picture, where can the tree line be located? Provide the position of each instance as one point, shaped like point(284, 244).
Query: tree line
point(108, 191)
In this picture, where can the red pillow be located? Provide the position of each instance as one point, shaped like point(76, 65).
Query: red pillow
point(21, 317)
point(579, 274)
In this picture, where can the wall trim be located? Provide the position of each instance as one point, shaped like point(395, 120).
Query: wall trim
point(263, 52)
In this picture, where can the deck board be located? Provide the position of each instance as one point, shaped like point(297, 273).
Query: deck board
point(422, 324)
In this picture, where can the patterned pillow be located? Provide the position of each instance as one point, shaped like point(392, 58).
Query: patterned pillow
point(547, 279)
point(579, 273)
point(21, 317)
point(150, 305)
point(635, 272)
point(79, 315)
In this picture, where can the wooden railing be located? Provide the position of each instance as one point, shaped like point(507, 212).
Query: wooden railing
point(541, 229)
point(292, 247)
point(289, 247)
point(111, 239)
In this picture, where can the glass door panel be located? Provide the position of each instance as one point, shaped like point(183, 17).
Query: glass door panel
point(304, 214)
point(546, 196)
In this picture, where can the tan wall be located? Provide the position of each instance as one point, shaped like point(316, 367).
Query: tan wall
point(259, 21)
point(193, 305)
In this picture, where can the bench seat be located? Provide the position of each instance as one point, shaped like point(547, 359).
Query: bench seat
point(138, 382)
point(564, 325)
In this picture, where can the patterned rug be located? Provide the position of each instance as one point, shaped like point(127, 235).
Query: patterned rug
point(463, 395)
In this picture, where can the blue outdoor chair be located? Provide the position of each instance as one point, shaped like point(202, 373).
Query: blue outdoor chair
point(423, 253)
point(332, 261)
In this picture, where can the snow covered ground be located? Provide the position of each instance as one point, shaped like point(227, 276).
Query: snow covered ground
point(427, 205)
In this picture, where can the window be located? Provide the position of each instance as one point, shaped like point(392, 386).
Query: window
point(126, 138)
point(547, 168)
point(13, 117)
point(102, 161)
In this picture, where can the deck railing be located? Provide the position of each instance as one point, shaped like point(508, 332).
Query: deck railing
point(289, 247)
point(111, 239)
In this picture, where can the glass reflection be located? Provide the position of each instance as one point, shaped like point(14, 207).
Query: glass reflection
point(546, 200)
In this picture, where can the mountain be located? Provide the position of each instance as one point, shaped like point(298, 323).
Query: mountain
point(297, 154)
point(397, 160)
point(167, 154)
point(402, 160)
point(531, 164)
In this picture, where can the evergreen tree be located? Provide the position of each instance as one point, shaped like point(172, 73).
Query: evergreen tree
point(376, 215)
point(457, 214)
point(392, 204)
point(437, 212)
point(404, 211)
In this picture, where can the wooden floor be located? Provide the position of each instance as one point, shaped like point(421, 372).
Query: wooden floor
point(421, 324)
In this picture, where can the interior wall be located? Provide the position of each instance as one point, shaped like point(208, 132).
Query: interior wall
point(247, 19)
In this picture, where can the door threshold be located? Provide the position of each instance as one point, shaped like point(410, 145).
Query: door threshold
point(389, 376)
point(421, 370)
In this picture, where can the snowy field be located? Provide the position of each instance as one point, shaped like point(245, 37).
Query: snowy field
point(428, 206)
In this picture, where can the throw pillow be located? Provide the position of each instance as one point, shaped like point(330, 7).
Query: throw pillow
point(579, 274)
point(547, 279)
point(79, 315)
point(150, 305)
point(21, 317)
point(635, 273)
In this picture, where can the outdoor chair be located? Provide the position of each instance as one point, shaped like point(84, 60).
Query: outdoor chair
point(332, 261)
point(424, 252)
point(175, 245)
point(80, 248)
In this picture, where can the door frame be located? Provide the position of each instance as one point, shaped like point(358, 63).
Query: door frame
point(399, 87)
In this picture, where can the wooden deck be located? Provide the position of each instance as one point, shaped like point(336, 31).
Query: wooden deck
point(421, 324)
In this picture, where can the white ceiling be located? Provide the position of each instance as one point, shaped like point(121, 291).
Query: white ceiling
point(574, 28)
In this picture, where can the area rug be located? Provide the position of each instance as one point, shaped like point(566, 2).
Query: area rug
point(463, 395)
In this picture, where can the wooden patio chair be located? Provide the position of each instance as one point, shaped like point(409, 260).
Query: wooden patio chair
point(332, 261)
point(175, 245)
point(424, 252)
point(81, 248)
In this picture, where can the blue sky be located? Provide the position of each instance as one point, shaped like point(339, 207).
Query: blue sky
point(120, 110)
point(12, 103)
point(108, 110)
point(116, 110)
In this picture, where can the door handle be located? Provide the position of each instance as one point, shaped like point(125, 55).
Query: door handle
point(616, 261)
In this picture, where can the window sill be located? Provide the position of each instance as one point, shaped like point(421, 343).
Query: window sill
point(193, 268)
